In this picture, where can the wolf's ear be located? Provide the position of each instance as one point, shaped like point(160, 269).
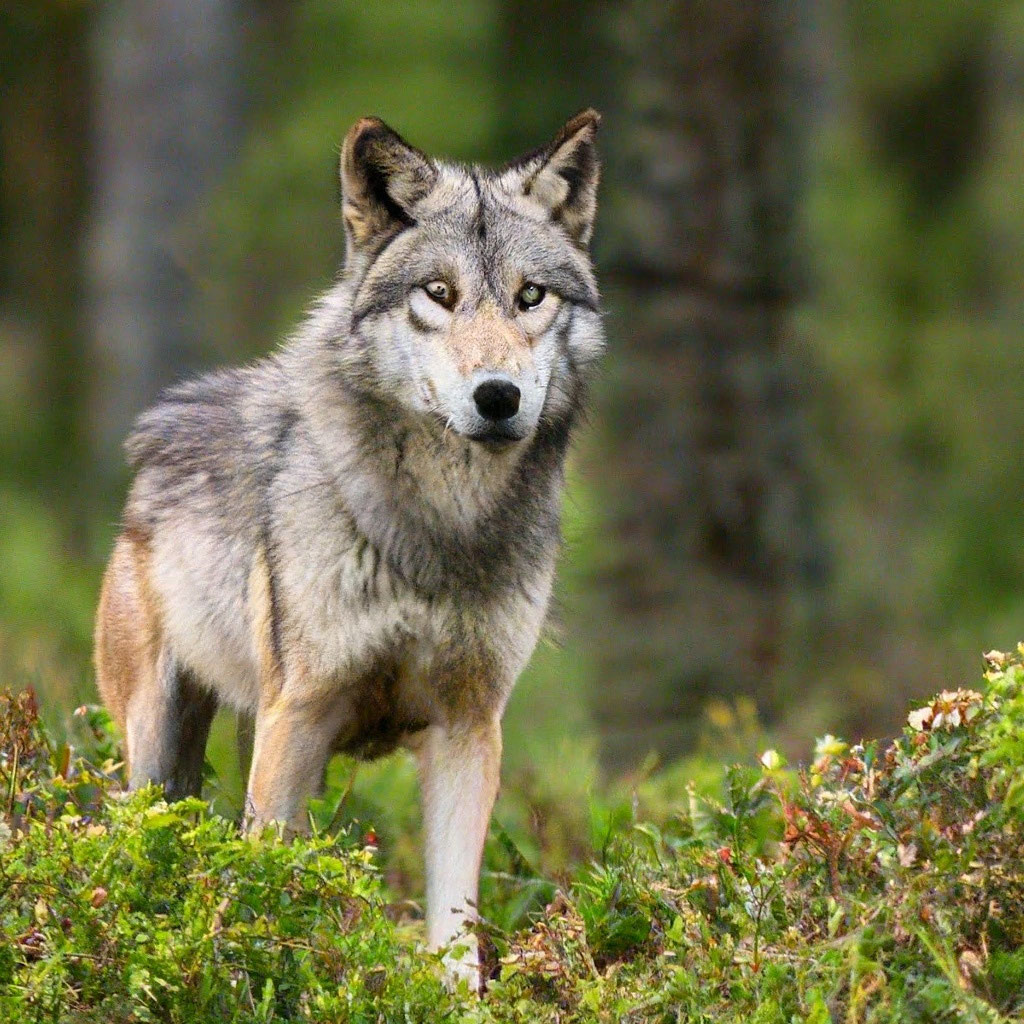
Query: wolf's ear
point(382, 180)
point(563, 175)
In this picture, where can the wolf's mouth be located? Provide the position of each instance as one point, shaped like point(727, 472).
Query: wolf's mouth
point(497, 436)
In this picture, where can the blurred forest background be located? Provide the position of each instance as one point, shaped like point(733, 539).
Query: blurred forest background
point(798, 501)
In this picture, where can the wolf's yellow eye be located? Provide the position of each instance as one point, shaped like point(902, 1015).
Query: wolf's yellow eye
point(440, 291)
point(531, 295)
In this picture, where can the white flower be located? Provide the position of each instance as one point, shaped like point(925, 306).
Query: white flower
point(920, 719)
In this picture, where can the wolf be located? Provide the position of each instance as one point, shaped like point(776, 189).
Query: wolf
point(352, 541)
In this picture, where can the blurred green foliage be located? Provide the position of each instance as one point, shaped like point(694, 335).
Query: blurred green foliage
point(917, 238)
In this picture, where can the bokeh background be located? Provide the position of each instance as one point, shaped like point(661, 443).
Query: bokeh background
point(797, 503)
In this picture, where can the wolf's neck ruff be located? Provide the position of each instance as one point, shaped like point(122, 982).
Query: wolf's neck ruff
point(445, 513)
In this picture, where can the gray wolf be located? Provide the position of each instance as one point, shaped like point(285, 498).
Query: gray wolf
point(353, 540)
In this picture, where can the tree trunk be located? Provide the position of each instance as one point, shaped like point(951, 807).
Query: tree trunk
point(702, 457)
point(167, 124)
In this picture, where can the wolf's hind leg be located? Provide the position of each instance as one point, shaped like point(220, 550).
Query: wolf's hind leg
point(168, 723)
point(164, 714)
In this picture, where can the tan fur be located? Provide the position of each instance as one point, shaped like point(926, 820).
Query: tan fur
point(488, 341)
point(127, 628)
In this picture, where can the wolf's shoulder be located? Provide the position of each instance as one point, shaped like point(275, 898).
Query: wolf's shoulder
point(209, 447)
point(219, 414)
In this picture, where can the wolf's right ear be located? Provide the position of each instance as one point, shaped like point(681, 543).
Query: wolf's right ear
point(382, 180)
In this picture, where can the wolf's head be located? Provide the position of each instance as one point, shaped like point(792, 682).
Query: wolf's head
point(473, 301)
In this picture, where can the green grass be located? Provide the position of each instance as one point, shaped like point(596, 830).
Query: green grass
point(879, 883)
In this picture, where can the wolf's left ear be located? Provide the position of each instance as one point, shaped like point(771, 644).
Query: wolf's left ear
point(563, 176)
point(382, 180)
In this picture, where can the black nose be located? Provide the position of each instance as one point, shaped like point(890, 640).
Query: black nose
point(497, 399)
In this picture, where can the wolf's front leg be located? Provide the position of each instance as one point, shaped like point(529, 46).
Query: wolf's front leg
point(290, 751)
point(459, 769)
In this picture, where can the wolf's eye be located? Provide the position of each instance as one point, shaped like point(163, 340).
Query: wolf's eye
point(531, 295)
point(441, 292)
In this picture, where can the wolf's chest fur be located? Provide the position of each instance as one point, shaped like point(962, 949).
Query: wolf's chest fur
point(391, 658)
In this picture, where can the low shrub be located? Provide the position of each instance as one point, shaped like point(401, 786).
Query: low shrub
point(882, 882)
